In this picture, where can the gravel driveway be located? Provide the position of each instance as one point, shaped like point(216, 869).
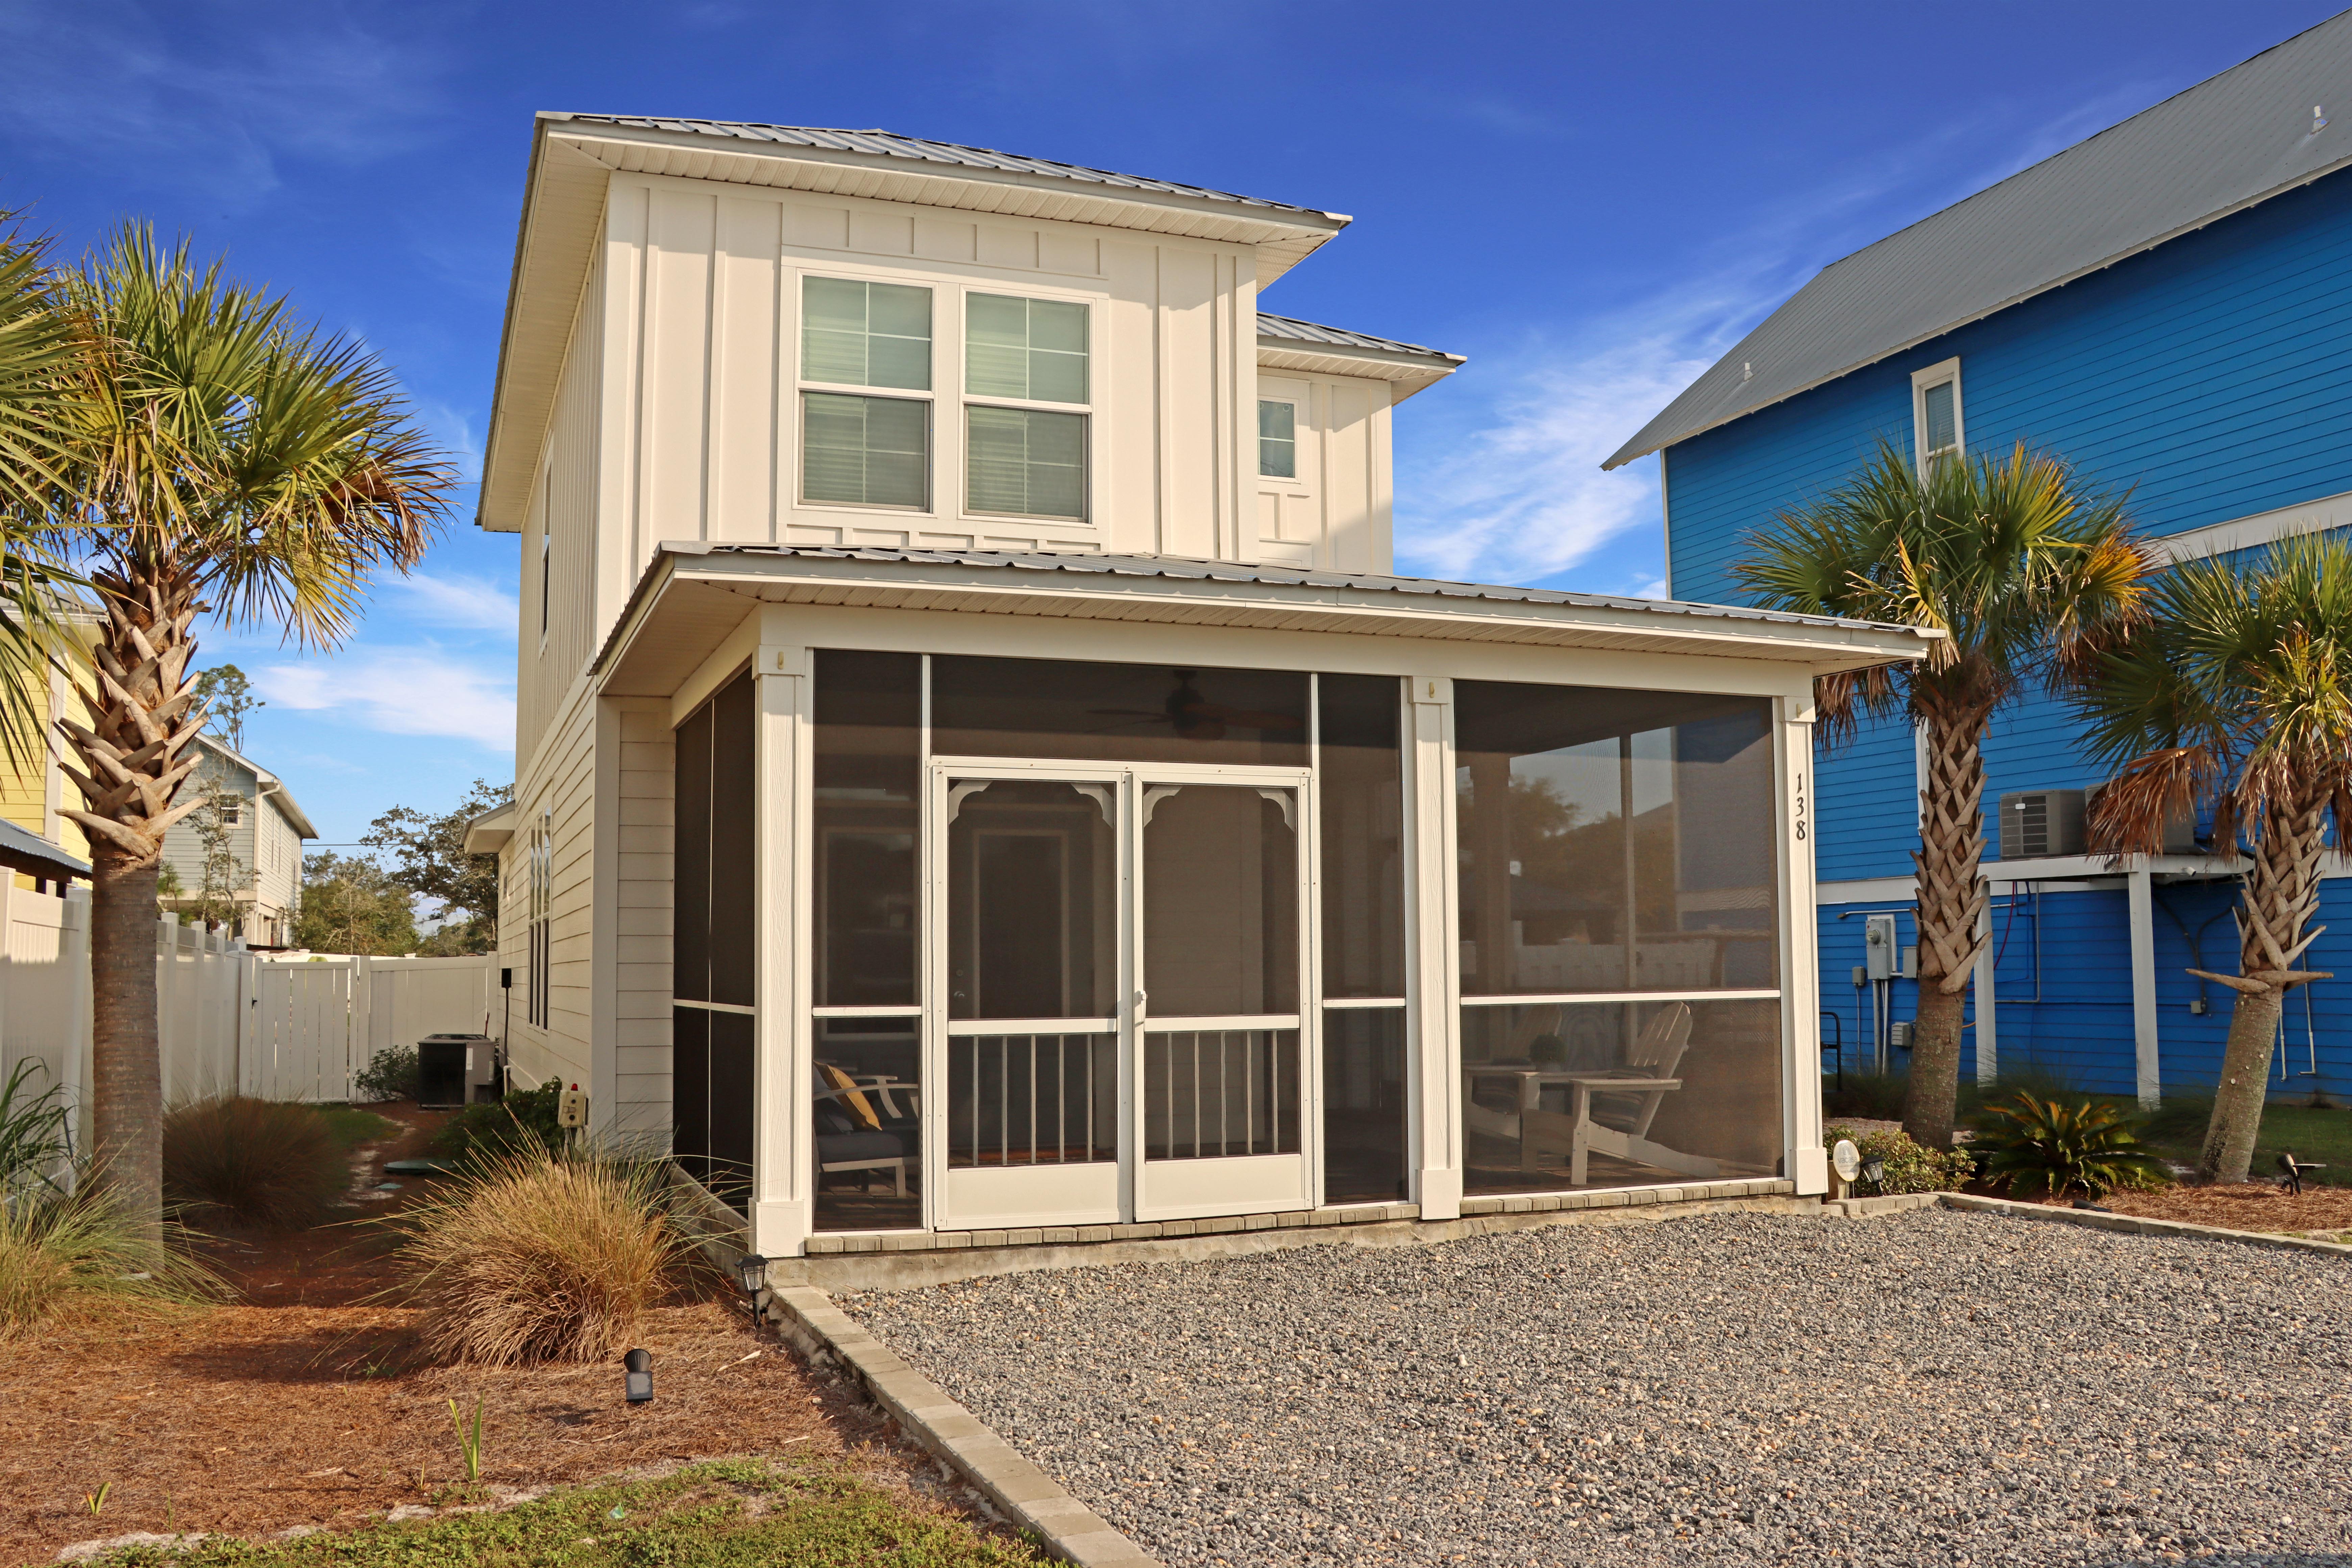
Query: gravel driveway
point(1931, 1387)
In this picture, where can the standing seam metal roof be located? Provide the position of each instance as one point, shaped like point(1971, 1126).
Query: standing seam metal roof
point(2232, 140)
point(1221, 572)
point(1290, 329)
point(889, 144)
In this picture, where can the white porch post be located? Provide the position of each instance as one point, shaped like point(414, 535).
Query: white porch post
point(1987, 1035)
point(1801, 960)
point(2141, 899)
point(1432, 1002)
point(781, 1067)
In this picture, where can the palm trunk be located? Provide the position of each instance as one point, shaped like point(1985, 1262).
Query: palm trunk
point(1951, 904)
point(2280, 895)
point(132, 770)
point(126, 1065)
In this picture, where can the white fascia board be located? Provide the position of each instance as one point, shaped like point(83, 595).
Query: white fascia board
point(2316, 516)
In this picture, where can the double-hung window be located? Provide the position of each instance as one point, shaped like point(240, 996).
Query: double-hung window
point(857, 449)
point(1935, 411)
point(1025, 461)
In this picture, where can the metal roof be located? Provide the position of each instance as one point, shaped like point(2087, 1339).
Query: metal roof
point(1290, 329)
point(21, 850)
point(889, 144)
point(1163, 567)
point(2217, 148)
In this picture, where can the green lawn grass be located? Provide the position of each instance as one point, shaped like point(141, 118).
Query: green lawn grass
point(2321, 1133)
point(732, 1514)
point(353, 1126)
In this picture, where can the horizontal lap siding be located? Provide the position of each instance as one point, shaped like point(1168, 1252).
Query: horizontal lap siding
point(644, 903)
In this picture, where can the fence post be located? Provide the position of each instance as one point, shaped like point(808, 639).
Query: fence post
point(73, 952)
point(355, 1048)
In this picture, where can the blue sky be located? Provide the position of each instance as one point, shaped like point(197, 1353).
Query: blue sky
point(1590, 201)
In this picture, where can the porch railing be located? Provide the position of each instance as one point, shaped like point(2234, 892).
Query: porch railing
point(1218, 1092)
point(1032, 1098)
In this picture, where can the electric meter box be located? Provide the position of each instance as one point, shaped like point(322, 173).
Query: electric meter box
point(1878, 952)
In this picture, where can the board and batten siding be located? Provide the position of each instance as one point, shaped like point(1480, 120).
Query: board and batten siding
point(1336, 515)
point(701, 302)
point(564, 513)
point(2205, 378)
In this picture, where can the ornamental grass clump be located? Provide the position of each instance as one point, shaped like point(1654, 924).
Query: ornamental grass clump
point(533, 1257)
point(250, 1162)
point(2043, 1146)
point(81, 1250)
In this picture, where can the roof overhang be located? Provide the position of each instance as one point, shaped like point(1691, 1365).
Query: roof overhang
point(21, 850)
point(488, 833)
point(693, 596)
point(570, 169)
point(1405, 373)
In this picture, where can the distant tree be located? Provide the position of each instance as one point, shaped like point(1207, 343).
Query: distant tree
point(227, 698)
point(351, 904)
point(222, 874)
point(169, 888)
point(428, 854)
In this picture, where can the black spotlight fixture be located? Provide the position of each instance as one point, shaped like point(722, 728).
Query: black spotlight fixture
point(637, 1376)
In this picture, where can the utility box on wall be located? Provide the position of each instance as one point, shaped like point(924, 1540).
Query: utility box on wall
point(2035, 823)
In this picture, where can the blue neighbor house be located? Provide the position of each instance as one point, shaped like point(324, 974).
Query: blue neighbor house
point(2168, 306)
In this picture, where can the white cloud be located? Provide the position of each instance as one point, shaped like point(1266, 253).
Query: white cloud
point(468, 602)
point(401, 694)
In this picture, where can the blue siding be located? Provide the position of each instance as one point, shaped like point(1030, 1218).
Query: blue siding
point(2210, 379)
point(2064, 1002)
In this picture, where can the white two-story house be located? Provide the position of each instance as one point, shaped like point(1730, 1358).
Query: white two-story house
point(979, 786)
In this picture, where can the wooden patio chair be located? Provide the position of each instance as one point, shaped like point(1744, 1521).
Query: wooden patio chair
point(1611, 1110)
point(852, 1135)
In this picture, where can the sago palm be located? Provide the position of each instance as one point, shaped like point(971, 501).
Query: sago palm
point(224, 459)
point(2235, 696)
point(2018, 561)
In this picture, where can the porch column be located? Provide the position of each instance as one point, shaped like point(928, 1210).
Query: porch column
point(780, 1197)
point(1433, 999)
point(2141, 899)
point(1806, 1163)
point(1988, 1036)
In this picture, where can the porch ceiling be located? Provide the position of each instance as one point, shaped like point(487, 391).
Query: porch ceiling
point(695, 595)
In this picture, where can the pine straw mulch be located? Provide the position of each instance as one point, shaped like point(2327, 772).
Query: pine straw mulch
point(2243, 1205)
point(298, 1405)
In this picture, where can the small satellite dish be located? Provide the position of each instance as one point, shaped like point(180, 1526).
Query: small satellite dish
point(1846, 1159)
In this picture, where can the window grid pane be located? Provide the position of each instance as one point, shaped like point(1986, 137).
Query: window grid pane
point(1032, 349)
point(1277, 439)
point(1025, 462)
point(865, 334)
point(867, 451)
point(1942, 428)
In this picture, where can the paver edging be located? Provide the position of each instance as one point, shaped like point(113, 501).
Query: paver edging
point(2136, 1225)
point(1071, 1530)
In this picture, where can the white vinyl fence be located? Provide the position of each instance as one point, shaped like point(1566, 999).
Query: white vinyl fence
point(282, 1027)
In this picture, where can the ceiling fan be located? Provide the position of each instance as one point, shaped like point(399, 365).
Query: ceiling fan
point(1194, 717)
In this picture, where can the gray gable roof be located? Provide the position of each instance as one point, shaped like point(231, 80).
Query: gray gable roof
point(2217, 148)
point(884, 145)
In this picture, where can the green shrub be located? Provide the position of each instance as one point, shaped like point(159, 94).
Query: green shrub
point(529, 1257)
point(253, 1161)
point(2043, 1146)
point(32, 1127)
point(523, 1122)
point(84, 1249)
point(391, 1074)
point(1910, 1167)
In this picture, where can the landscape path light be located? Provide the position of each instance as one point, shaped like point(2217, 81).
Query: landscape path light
point(752, 1277)
point(637, 1376)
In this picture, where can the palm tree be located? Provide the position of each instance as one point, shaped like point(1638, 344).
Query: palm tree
point(2235, 695)
point(224, 459)
point(38, 349)
point(2017, 561)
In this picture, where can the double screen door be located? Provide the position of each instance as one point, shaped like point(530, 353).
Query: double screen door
point(1115, 957)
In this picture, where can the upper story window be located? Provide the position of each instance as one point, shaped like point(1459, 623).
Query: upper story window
point(1025, 462)
point(1278, 439)
point(1935, 411)
point(865, 451)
